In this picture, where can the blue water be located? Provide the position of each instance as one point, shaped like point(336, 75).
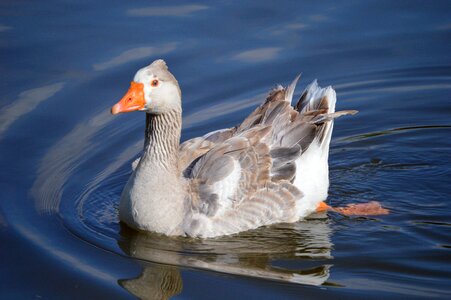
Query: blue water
point(64, 159)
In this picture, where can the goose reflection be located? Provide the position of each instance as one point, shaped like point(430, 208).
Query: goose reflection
point(265, 253)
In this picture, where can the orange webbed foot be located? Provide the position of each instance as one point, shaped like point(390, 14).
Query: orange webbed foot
point(372, 208)
point(322, 207)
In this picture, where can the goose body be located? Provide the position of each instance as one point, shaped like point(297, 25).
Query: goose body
point(271, 168)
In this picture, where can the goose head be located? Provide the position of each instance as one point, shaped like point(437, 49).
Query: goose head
point(153, 90)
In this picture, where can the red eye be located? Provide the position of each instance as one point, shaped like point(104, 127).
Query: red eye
point(154, 83)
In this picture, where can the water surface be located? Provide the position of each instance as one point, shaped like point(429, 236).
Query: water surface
point(64, 159)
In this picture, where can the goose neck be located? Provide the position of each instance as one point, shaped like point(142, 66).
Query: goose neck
point(162, 138)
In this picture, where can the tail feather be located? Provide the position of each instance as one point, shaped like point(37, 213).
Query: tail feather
point(316, 108)
point(323, 100)
point(315, 98)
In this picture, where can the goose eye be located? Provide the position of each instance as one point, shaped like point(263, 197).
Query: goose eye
point(154, 83)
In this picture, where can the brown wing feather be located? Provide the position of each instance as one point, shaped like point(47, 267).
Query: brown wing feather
point(194, 148)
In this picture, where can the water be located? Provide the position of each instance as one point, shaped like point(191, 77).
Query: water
point(64, 159)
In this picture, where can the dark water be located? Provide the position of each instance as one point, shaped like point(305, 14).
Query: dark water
point(64, 159)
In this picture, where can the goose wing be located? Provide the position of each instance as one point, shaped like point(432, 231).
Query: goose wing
point(242, 177)
point(230, 187)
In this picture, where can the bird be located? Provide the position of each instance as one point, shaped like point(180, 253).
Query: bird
point(271, 168)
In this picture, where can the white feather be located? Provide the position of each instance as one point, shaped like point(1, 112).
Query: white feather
point(312, 178)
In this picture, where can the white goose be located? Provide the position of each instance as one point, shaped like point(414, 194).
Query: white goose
point(271, 168)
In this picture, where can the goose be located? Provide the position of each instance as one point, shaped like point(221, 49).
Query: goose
point(271, 168)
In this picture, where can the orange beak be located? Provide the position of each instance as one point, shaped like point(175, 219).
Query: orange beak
point(133, 99)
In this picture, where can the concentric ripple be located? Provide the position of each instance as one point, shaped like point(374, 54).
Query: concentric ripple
point(365, 166)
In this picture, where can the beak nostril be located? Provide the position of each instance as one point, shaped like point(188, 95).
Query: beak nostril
point(132, 100)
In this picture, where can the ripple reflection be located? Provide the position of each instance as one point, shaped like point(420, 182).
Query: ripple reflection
point(265, 253)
